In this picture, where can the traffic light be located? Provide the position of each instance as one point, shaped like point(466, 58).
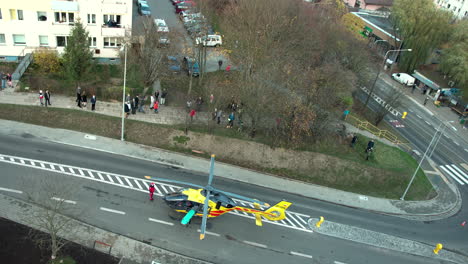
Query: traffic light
point(404, 115)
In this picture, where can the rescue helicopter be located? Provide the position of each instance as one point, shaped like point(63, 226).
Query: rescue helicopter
point(209, 202)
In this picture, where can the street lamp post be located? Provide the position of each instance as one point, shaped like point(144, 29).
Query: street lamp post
point(378, 74)
point(434, 141)
point(123, 93)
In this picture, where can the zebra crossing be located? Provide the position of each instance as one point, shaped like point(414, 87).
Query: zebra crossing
point(293, 220)
point(455, 173)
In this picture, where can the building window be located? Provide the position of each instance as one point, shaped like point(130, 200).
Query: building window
point(43, 41)
point(19, 39)
point(448, 6)
point(92, 41)
point(0, 13)
point(64, 17)
point(61, 41)
point(112, 42)
point(91, 18)
point(20, 15)
point(2, 39)
point(41, 16)
point(112, 20)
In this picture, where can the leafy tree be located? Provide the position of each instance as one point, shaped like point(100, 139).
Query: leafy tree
point(454, 61)
point(77, 56)
point(423, 27)
point(46, 60)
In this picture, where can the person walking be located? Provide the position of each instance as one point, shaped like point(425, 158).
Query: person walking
point(215, 112)
point(353, 141)
point(93, 103)
point(10, 83)
point(151, 191)
point(142, 104)
point(218, 116)
point(84, 99)
point(156, 106)
point(211, 98)
point(137, 102)
point(133, 106)
point(413, 88)
point(220, 63)
point(128, 98)
point(231, 120)
point(156, 95)
point(199, 103)
point(163, 97)
point(78, 96)
point(41, 97)
point(426, 99)
point(127, 109)
point(47, 98)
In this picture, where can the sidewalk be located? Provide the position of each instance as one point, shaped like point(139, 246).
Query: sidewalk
point(442, 114)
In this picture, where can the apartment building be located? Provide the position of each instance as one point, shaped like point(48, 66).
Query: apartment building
point(26, 25)
point(458, 7)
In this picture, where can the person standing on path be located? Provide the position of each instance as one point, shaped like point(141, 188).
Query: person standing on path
point(78, 96)
point(93, 103)
point(192, 114)
point(426, 99)
point(41, 97)
point(231, 119)
point(142, 104)
point(84, 99)
point(218, 116)
point(133, 106)
point(156, 106)
point(353, 141)
point(152, 102)
point(127, 109)
point(151, 191)
point(47, 98)
point(137, 102)
point(211, 98)
point(220, 64)
point(156, 95)
point(128, 98)
point(163, 97)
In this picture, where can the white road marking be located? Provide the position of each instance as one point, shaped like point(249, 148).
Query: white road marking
point(1, 158)
point(61, 168)
point(337, 262)
point(32, 163)
point(209, 233)
point(22, 162)
point(63, 200)
point(100, 176)
point(81, 172)
point(91, 137)
point(446, 136)
point(164, 189)
point(419, 116)
point(303, 221)
point(254, 244)
point(427, 122)
point(460, 171)
point(466, 150)
point(10, 190)
point(462, 177)
point(139, 186)
point(111, 210)
point(454, 128)
point(451, 175)
point(52, 166)
point(161, 221)
point(71, 170)
point(128, 182)
point(119, 180)
point(294, 218)
point(91, 174)
point(456, 143)
point(411, 111)
point(300, 254)
point(289, 221)
point(42, 165)
point(110, 178)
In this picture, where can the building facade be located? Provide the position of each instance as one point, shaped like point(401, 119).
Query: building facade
point(458, 7)
point(26, 25)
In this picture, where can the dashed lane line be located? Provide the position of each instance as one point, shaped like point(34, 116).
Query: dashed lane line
point(160, 221)
point(456, 143)
point(427, 122)
point(255, 244)
point(209, 233)
point(338, 262)
point(10, 190)
point(419, 116)
point(112, 210)
point(300, 254)
point(466, 150)
point(63, 200)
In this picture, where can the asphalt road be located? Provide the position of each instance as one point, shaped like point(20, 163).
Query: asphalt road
point(279, 240)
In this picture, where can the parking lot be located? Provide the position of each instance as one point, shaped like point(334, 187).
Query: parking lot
point(184, 44)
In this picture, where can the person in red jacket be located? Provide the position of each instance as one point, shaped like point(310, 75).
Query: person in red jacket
point(156, 106)
point(151, 191)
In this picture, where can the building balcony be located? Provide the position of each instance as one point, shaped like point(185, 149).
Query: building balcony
point(71, 6)
point(118, 31)
point(114, 7)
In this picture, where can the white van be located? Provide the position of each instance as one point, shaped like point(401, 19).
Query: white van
point(404, 78)
point(210, 40)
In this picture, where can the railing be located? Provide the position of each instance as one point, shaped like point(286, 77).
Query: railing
point(22, 66)
point(365, 125)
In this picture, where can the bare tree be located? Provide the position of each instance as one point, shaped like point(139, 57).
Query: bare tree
point(52, 198)
point(389, 100)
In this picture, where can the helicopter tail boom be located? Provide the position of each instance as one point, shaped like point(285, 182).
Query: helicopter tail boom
point(276, 212)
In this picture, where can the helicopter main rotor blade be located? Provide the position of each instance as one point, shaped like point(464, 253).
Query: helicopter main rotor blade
point(210, 178)
point(238, 196)
point(205, 215)
point(175, 181)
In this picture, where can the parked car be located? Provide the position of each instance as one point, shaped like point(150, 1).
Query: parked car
point(193, 16)
point(138, 2)
point(164, 41)
point(161, 25)
point(404, 78)
point(210, 41)
point(185, 13)
point(173, 63)
point(184, 6)
point(182, 1)
point(144, 9)
point(191, 66)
